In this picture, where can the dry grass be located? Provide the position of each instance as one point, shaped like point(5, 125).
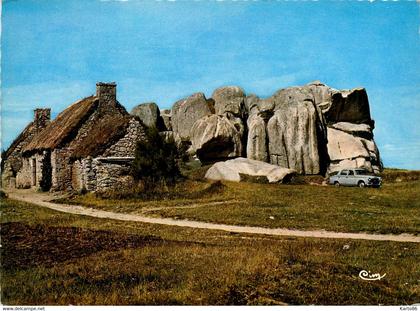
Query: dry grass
point(394, 208)
point(104, 262)
point(181, 194)
point(393, 175)
point(391, 209)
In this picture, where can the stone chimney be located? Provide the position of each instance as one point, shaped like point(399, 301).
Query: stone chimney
point(106, 91)
point(42, 117)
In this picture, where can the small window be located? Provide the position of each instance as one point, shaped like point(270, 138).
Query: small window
point(344, 172)
point(361, 172)
point(351, 173)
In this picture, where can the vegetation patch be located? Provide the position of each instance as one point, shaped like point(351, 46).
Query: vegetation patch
point(393, 208)
point(182, 193)
point(392, 175)
point(29, 246)
point(144, 264)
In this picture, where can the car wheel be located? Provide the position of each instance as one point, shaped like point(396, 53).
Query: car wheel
point(361, 184)
point(337, 184)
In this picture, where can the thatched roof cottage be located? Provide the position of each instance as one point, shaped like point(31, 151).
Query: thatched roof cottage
point(12, 158)
point(88, 146)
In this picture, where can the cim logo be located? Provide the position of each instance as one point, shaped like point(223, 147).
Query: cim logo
point(367, 276)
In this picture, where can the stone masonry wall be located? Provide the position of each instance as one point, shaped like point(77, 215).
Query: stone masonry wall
point(13, 162)
point(24, 176)
point(83, 175)
point(34, 171)
point(8, 177)
point(77, 181)
point(89, 174)
point(61, 170)
point(112, 176)
point(126, 146)
point(38, 160)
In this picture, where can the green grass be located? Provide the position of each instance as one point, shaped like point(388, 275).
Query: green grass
point(52, 258)
point(394, 208)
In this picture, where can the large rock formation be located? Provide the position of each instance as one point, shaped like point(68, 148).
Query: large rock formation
point(257, 148)
point(292, 137)
point(188, 110)
point(287, 129)
point(347, 150)
point(229, 99)
point(348, 106)
point(217, 137)
point(232, 170)
point(221, 135)
point(313, 129)
point(148, 113)
point(167, 119)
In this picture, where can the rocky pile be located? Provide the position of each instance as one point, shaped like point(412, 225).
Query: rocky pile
point(312, 129)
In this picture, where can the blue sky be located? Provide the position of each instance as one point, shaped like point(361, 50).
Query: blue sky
point(53, 53)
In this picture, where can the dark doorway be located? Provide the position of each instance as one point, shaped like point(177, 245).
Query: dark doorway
point(33, 164)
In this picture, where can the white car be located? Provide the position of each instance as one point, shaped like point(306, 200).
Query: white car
point(355, 177)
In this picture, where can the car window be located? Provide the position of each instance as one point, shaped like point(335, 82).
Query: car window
point(351, 173)
point(361, 172)
point(344, 172)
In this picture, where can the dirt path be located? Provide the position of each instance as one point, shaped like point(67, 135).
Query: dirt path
point(42, 199)
point(154, 209)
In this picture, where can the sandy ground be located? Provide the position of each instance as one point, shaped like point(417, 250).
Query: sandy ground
point(43, 199)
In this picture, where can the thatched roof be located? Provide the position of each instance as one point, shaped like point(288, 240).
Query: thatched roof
point(60, 131)
point(105, 132)
point(18, 140)
point(101, 129)
point(12, 154)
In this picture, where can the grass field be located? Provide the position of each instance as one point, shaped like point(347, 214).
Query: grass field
point(52, 258)
point(394, 208)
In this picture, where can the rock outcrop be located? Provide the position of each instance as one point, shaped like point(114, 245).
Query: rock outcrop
point(188, 110)
point(286, 129)
point(166, 118)
point(349, 151)
point(232, 170)
point(348, 106)
point(313, 129)
point(292, 137)
point(148, 113)
point(217, 137)
point(257, 148)
point(229, 99)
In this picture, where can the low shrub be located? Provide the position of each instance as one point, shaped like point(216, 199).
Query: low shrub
point(3, 195)
point(156, 162)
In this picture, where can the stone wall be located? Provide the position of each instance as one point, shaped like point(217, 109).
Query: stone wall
point(8, 177)
point(111, 176)
point(13, 158)
point(61, 170)
point(24, 176)
point(126, 146)
point(89, 176)
point(77, 180)
point(83, 175)
point(35, 172)
point(38, 161)
point(110, 171)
